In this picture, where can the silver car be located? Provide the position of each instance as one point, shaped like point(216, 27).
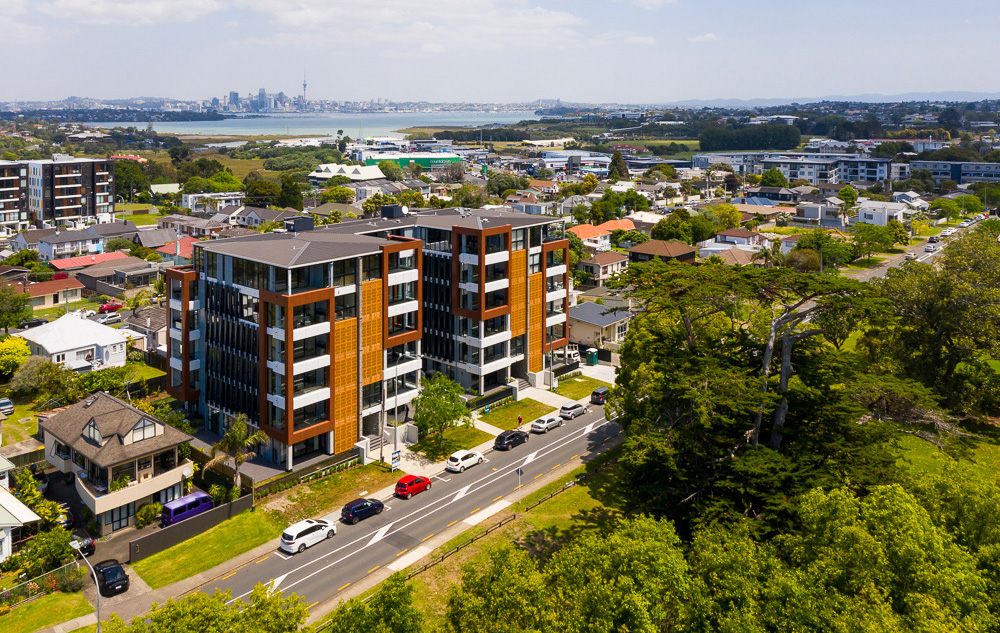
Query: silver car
point(572, 410)
point(546, 424)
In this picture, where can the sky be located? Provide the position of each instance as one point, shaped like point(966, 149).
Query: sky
point(594, 51)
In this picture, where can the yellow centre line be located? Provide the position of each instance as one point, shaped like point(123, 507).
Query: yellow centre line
point(499, 498)
point(518, 486)
point(556, 466)
point(475, 511)
point(228, 576)
point(426, 537)
point(263, 559)
point(403, 552)
point(538, 475)
point(344, 587)
point(313, 605)
point(575, 456)
point(373, 568)
point(452, 523)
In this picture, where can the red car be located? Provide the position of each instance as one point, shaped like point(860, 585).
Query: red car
point(110, 307)
point(411, 485)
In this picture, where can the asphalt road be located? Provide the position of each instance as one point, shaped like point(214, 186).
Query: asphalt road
point(394, 539)
point(899, 260)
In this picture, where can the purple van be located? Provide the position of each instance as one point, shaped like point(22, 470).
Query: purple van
point(185, 507)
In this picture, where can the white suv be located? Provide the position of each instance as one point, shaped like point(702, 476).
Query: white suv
point(460, 460)
point(305, 534)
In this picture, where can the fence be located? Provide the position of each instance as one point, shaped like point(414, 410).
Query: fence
point(42, 585)
point(313, 471)
point(157, 541)
point(484, 401)
point(562, 370)
point(25, 453)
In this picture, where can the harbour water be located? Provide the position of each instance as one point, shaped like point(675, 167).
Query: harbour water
point(355, 125)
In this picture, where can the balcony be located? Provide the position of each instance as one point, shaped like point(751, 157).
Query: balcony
point(555, 270)
point(310, 395)
point(403, 307)
point(98, 499)
point(309, 364)
point(555, 318)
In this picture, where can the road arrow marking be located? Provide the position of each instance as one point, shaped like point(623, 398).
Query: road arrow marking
point(464, 491)
point(530, 458)
point(378, 536)
point(275, 582)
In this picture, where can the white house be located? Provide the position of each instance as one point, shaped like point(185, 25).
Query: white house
point(13, 513)
point(69, 244)
point(201, 202)
point(879, 213)
point(77, 343)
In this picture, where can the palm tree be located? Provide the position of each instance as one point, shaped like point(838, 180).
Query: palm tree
point(772, 257)
point(236, 445)
point(136, 300)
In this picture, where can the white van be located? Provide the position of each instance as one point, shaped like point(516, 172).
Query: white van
point(306, 534)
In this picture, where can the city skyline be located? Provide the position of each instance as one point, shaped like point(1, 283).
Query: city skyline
point(503, 50)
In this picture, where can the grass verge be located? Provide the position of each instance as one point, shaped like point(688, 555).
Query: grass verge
point(463, 437)
point(213, 547)
point(579, 386)
point(506, 416)
point(320, 497)
point(45, 612)
point(21, 424)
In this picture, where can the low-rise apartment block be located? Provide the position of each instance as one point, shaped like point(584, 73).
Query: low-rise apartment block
point(68, 191)
point(320, 334)
point(961, 173)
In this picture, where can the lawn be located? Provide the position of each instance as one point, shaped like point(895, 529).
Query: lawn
point(146, 372)
point(14, 430)
point(240, 167)
point(213, 547)
point(865, 263)
point(143, 219)
point(45, 612)
point(463, 437)
point(981, 462)
point(506, 416)
point(579, 387)
point(58, 311)
point(325, 495)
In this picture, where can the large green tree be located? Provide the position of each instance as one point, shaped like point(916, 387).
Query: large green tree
point(773, 178)
point(15, 306)
point(290, 194)
point(618, 170)
point(440, 407)
point(236, 446)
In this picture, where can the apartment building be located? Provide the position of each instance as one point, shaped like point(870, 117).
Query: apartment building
point(67, 191)
point(319, 334)
point(959, 172)
point(13, 197)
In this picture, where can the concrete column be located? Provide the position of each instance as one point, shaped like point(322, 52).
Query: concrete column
point(288, 458)
point(329, 443)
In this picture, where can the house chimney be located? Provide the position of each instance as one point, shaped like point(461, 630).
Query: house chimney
point(177, 248)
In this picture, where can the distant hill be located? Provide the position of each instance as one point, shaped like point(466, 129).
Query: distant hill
point(861, 98)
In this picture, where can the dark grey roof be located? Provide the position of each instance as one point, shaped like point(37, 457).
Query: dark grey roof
point(31, 236)
point(596, 314)
point(155, 315)
point(268, 215)
point(115, 419)
point(155, 238)
point(114, 229)
point(63, 237)
point(289, 250)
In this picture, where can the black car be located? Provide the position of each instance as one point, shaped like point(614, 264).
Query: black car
point(87, 545)
point(66, 516)
point(361, 509)
point(30, 323)
point(111, 578)
point(600, 395)
point(509, 439)
point(934, 239)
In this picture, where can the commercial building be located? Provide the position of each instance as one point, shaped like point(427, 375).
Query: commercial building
point(316, 333)
point(427, 160)
point(961, 173)
point(69, 191)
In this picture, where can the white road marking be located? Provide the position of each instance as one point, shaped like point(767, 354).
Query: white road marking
point(486, 513)
point(464, 491)
point(362, 493)
point(409, 559)
point(434, 507)
point(282, 556)
point(589, 427)
point(529, 458)
point(276, 582)
point(378, 536)
point(441, 478)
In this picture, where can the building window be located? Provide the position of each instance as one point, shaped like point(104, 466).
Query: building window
point(146, 429)
point(93, 433)
point(371, 267)
point(345, 272)
point(345, 306)
point(517, 239)
point(534, 263)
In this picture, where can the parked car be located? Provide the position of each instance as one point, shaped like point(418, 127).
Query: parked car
point(572, 410)
point(111, 578)
point(509, 439)
point(934, 239)
point(41, 481)
point(911, 255)
point(460, 460)
point(109, 307)
point(60, 275)
point(6, 406)
point(599, 396)
point(29, 323)
point(546, 424)
point(361, 509)
point(930, 248)
point(108, 319)
point(87, 544)
point(964, 224)
point(303, 534)
point(411, 485)
point(84, 314)
point(185, 508)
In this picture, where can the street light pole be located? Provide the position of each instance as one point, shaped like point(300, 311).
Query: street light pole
point(75, 544)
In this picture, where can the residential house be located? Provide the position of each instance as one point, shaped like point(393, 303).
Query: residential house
point(122, 456)
point(611, 226)
point(209, 202)
point(253, 217)
point(906, 197)
point(73, 264)
point(178, 252)
point(69, 244)
point(521, 197)
point(79, 344)
point(8, 273)
point(826, 213)
point(227, 215)
point(740, 237)
point(13, 513)
point(777, 194)
point(111, 230)
point(603, 266)
point(187, 225)
point(533, 208)
point(55, 292)
point(415, 184)
point(738, 257)
point(789, 242)
point(666, 251)
point(235, 231)
point(548, 187)
point(155, 238)
point(594, 325)
point(595, 239)
point(111, 277)
point(151, 323)
point(29, 239)
point(879, 213)
point(327, 209)
point(611, 298)
point(565, 207)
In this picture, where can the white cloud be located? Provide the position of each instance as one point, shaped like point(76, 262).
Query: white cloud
point(640, 40)
point(14, 31)
point(437, 27)
point(128, 12)
point(704, 37)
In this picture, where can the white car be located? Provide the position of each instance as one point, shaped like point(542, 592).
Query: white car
point(911, 255)
point(947, 232)
point(964, 224)
point(571, 410)
point(930, 248)
point(544, 425)
point(303, 534)
point(111, 317)
point(460, 460)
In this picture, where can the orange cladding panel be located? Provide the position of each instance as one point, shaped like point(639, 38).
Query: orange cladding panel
point(518, 292)
point(536, 320)
point(345, 396)
point(371, 331)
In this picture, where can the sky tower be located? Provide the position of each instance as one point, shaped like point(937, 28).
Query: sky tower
point(303, 87)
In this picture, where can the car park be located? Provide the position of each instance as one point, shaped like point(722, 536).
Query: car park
point(572, 410)
point(599, 395)
point(111, 578)
point(6, 406)
point(109, 307)
point(411, 485)
point(110, 318)
point(546, 424)
point(361, 509)
point(509, 439)
point(297, 537)
point(460, 460)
